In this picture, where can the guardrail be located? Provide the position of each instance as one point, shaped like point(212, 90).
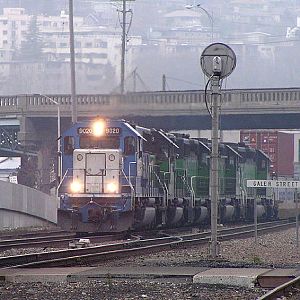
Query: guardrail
point(232, 100)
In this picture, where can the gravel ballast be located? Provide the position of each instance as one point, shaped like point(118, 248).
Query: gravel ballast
point(137, 289)
point(276, 249)
point(272, 250)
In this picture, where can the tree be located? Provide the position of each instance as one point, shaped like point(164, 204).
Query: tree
point(27, 173)
point(31, 49)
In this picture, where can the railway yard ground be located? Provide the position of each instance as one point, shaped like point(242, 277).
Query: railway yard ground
point(151, 276)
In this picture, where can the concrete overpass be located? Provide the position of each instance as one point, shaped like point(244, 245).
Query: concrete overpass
point(175, 110)
point(252, 108)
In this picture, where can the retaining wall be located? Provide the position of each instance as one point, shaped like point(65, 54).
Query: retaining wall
point(21, 206)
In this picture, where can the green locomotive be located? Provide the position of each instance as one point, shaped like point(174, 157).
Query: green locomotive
point(182, 166)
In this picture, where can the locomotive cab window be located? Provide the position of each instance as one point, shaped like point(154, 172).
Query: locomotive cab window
point(107, 142)
point(129, 145)
point(68, 145)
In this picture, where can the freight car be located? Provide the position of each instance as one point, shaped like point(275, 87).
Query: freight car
point(117, 176)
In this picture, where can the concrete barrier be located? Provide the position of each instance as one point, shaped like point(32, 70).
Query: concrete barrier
point(21, 206)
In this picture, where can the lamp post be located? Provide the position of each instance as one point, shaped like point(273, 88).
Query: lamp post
point(210, 16)
point(217, 62)
point(72, 63)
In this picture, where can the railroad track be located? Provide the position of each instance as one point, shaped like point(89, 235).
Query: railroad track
point(19, 235)
point(52, 240)
point(285, 290)
point(85, 256)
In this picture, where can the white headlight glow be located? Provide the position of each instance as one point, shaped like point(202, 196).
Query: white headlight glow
point(112, 187)
point(75, 187)
point(99, 128)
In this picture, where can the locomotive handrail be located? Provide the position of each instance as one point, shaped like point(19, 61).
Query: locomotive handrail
point(131, 188)
point(167, 197)
point(129, 172)
point(188, 187)
point(163, 185)
point(184, 180)
point(192, 188)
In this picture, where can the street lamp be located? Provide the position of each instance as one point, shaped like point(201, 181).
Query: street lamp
point(210, 16)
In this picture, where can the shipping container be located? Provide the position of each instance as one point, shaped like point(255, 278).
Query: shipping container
point(278, 145)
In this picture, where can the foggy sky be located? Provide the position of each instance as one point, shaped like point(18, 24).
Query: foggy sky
point(256, 67)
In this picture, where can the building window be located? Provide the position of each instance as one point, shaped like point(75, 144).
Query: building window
point(89, 45)
point(50, 45)
point(102, 55)
point(5, 32)
point(63, 45)
point(102, 44)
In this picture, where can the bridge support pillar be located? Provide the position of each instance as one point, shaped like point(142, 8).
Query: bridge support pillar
point(46, 157)
point(27, 135)
point(34, 135)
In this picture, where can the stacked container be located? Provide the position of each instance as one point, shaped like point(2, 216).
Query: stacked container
point(278, 145)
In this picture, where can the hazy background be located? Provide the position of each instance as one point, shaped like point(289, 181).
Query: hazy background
point(169, 39)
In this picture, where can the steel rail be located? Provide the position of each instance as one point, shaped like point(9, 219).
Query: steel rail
point(282, 290)
point(109, 251)
point(20, 235)
point(244, 228)
point(58, 240)
point(55, 258)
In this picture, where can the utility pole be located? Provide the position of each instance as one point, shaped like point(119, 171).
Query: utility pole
point(296, 199)
point(125, 29)
point(124, 38)
point(134, 79)
point(72, 63)
point(164, 82)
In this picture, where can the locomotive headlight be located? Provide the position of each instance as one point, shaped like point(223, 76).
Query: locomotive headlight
point(98, 128)
point(112, 187)
point(75, 187)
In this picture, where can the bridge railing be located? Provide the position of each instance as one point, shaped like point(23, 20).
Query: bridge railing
point(165, 98)
point(232, 100)
point(37, 100)
point(270, 96)
point(9, 101)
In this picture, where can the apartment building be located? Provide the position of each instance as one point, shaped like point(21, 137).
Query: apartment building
point(96, 47)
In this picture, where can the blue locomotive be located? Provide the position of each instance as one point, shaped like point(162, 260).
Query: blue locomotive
point(117, 176)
